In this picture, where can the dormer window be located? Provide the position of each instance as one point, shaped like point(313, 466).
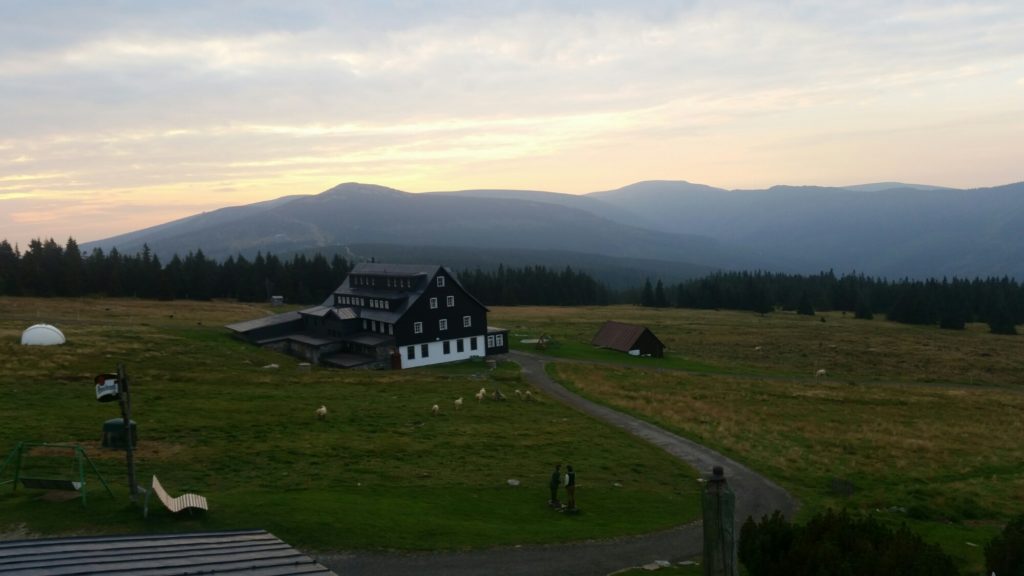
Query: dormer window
point(440, 281)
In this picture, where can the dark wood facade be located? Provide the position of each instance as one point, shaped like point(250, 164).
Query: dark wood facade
point(386, 315)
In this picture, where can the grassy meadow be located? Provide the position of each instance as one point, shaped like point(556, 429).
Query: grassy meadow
point(380, 473)
point(915, 424)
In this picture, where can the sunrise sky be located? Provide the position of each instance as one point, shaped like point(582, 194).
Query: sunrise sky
point(119, 115)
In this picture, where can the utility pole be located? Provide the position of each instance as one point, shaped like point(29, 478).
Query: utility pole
point(126, 413)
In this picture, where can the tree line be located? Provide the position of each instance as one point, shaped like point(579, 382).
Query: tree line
point(948, 303)
point(48, 269)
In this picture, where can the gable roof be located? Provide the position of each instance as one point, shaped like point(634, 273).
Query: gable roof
point(235, 552)
point(620, 336)
point(427, 271)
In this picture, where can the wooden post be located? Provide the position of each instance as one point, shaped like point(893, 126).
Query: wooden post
point(126, 414)
point(719, 505)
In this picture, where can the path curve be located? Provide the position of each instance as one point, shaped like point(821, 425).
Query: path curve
point(755, 496)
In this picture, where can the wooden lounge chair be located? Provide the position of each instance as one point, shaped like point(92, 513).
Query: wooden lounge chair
point(184, 502)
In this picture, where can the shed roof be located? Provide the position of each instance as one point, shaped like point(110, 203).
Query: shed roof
point(618, 336)
point(250, 552)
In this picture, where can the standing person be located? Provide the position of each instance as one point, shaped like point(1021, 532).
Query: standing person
point(570, 486)
point(556, 477)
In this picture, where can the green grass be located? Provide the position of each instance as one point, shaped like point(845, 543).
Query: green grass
point(938, 447)
point(380, 472)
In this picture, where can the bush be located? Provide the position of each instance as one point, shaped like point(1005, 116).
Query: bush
point(837, 545)
point(1004, 554)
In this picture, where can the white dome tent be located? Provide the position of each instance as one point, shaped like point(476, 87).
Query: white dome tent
point(42, 335)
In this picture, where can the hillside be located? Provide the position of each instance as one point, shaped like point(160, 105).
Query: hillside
point(903, 230)
point(352, 214)
point(668, 229)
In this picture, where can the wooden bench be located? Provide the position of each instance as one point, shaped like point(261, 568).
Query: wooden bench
point(51, 484)
point(184, 502)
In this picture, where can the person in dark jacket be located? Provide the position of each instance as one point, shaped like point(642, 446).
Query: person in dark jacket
point(556, 478)
point(570, 487)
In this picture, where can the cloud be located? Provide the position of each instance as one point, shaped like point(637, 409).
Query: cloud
point(235, 102)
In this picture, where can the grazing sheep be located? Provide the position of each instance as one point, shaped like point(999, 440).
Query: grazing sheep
point(821, 373)
point(435, 409)
point(757, 348)
point(519, 393)
point(458, 403)
point(529, 395)
point(321, 413)
point(480, 395)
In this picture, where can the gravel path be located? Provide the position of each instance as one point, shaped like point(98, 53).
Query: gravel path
point(755, 495)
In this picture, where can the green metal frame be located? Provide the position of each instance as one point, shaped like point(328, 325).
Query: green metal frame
point(81, 459)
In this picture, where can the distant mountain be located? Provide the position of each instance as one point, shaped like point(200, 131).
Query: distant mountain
point(909, 230)
point(667, 229)
point(352, 214)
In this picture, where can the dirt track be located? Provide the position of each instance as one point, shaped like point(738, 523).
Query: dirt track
point(755, 496)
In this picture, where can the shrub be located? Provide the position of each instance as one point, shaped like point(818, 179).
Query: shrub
point(1004, 554)
point(838, 545)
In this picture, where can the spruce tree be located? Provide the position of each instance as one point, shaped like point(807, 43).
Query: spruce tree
point(647, 296)
point(804, 307)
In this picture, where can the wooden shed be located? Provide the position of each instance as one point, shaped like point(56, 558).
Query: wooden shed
point(629, 338)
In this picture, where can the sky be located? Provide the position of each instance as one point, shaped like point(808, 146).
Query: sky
point(115, 116)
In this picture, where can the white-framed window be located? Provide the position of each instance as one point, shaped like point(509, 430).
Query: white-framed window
point(490, 341)
point(449, 301)
point(417, 327)
point(433, 303)
point(442, 324)
point(440, 281)
point(467, 321)
point(499, 340)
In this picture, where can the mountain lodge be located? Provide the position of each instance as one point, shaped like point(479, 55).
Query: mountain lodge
point(384, 315)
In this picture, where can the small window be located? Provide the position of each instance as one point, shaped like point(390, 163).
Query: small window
point(440, 281)
point(442, 324)
point(417, 327)
point(449, 301)
point(424, 351)
point(472, 343)
point(460, 346)
point(499, 340)
point(447, 347)
point(433, 303)
point(391, 329)
point(365, 322)
point(490, 341)
point(410, 352)
point(467, 321)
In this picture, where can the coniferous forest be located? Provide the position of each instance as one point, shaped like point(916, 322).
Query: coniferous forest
point(48, 269)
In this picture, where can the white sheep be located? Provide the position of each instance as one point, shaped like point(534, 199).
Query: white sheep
point(458, 403)
point(519, 393)
point(821, 373)
point(321, 413)
point(435, 409)
point(529, 395)
point(480, 395)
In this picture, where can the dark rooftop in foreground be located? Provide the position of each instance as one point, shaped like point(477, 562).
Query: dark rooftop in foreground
point(252, 552)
